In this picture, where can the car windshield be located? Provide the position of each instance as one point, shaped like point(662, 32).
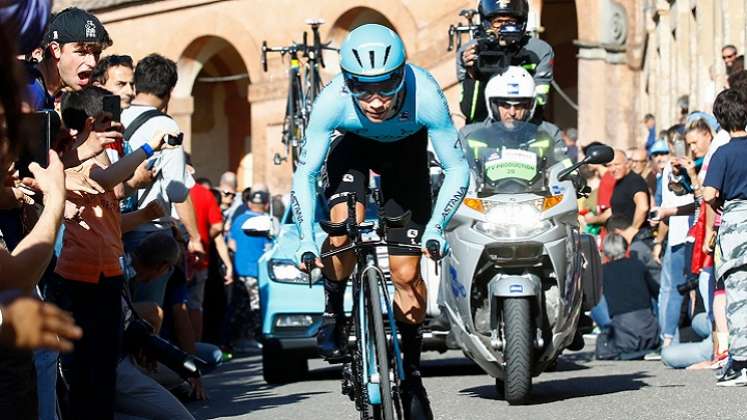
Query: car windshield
point(511, 158)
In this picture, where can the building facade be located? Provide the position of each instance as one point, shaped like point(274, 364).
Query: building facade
point(615, 61)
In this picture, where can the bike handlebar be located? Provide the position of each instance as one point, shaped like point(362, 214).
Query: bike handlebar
point(434, 249)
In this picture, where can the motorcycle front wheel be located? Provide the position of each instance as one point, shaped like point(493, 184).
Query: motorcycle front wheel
point(517, 324)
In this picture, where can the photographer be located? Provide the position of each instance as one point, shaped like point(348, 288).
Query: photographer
point(503, 42)
point(88, 270)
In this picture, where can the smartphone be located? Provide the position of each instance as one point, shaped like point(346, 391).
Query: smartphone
point(680, 148)
point(36, 132)
point(113, 105)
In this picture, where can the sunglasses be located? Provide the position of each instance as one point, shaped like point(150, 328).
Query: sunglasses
point(386, 88)
point(728, 57)
point(515, 104)
point(228, 193)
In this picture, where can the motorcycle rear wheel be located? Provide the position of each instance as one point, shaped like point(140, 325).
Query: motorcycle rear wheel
point(517, 324)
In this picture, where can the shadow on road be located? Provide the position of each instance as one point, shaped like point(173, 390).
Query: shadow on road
point(236, 389)
point(566, 389)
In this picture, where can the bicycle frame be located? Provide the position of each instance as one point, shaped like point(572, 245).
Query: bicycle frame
point(367, 260)
point(304, 86)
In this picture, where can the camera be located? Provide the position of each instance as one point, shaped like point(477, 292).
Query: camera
point(494, 50)
point(175, 140)
point(686, 287)
point(139, 336)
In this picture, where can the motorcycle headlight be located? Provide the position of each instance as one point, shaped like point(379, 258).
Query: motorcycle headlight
point(514, 220)
point(285, 271)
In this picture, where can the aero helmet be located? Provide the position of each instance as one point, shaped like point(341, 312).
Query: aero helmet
point(373, 55)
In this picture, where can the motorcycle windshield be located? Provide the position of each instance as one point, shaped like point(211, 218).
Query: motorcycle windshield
point(511, 158)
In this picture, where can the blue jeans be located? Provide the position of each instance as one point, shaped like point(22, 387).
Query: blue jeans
point(155, 290)
point(682, 355)
point(45, 362)
point(670, 301)
point(601, 313)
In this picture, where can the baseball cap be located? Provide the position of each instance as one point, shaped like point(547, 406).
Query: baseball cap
point(76, 25)
point(659, 147)
point(260, 197)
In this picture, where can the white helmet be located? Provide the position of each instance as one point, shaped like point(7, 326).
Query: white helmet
point(514, 84)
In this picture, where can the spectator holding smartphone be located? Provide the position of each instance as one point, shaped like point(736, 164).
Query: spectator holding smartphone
point(89, 265)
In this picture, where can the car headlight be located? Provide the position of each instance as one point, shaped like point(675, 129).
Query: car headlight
point(286, 271)
point(514, 220)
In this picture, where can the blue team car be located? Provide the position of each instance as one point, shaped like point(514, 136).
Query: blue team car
point(291, 310)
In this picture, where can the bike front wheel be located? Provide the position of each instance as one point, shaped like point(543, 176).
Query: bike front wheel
point(386, 410)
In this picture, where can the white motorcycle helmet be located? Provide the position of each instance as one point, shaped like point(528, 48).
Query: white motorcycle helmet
point(513, 86)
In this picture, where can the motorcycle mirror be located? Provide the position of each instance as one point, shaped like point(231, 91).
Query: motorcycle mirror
point(595, 155)
point(599, 154)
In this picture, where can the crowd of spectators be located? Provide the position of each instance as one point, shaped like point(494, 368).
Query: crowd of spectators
point(671, 221)
point(108, 247)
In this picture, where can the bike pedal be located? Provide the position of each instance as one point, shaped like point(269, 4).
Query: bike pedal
point(338, 360)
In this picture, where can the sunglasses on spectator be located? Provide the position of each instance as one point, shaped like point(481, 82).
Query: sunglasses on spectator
point(228, 193)
point(728, 57)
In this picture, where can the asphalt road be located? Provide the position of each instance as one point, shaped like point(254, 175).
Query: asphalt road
point(581, 388)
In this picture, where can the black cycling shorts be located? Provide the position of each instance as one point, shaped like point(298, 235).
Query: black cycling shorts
point(405, 179)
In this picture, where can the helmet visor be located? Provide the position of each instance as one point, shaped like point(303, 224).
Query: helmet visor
point(508, 103)
point(364, 90)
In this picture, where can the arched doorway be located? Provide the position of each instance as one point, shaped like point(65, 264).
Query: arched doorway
point(348, 21)
point(560, 24)
point(221, 119)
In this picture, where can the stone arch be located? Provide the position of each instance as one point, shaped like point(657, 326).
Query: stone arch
point(392, 14)
point(203, 39)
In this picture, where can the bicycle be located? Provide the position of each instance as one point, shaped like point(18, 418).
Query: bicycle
point(372, 377)
point(304, 85)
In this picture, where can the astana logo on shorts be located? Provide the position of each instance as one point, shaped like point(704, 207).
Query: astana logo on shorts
point(412, 233)
point(348, 178)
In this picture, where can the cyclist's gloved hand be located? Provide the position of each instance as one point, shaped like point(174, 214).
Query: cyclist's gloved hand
point(304, 247)
point(433, 234)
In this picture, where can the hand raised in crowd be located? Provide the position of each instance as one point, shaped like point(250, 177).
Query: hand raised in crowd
point(96, 141)
point(29, 323)
point(469, 58)
point(159, 140)
point(143, 177)
point(689, 165)
point(79, 182)
point(50, 181)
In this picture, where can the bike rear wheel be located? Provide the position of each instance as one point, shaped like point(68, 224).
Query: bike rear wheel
point(386, 409)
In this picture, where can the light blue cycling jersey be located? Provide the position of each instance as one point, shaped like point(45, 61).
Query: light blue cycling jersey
point(336, 110)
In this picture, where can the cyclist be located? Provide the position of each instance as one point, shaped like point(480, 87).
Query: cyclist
point(508, 21)
point(385, 110)
point(510, 97)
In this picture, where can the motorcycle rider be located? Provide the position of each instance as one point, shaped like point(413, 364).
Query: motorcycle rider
point(507, 20)
point(385, 110)
point(510, 97)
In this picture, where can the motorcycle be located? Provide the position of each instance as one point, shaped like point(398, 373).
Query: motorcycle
point(519, 272)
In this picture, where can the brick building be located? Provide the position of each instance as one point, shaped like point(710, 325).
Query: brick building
point(614, 59)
